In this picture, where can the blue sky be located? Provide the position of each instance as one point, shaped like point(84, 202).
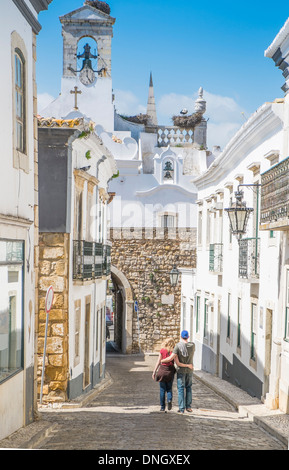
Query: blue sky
point(186, 44)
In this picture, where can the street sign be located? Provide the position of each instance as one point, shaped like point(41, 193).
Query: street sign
point(49, 299)
point(136, 306)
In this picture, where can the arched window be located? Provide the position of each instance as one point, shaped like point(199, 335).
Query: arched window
point(19, 90)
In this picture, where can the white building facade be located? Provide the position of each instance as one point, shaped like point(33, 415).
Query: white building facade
point(240, 321)
point(18, 213)
point(74, 171)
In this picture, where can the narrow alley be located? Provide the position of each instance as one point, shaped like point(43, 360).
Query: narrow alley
point(126, 416)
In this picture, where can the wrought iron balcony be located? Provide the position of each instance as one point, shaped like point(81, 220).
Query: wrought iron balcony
point(249, 257)
point(216, 258)
point(91, 260)
point(275, 196)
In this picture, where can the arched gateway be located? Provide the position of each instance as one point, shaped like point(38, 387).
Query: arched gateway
point(123, 311)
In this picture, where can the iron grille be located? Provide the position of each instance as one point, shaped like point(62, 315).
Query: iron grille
point(216, 257)
point(91, 260)
point(249, 256)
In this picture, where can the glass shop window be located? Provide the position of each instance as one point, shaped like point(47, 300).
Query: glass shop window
point(11, 307)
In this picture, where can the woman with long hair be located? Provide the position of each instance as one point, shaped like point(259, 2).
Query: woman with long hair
point(164, 373)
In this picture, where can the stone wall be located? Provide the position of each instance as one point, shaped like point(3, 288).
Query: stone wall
point(146, 258)
point(53, 270)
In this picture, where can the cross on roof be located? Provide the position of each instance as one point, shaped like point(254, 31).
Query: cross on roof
point(75, 93)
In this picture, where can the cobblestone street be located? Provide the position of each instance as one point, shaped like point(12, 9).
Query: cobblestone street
point(126, 416)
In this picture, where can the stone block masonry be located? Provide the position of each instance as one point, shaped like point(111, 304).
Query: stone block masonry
point(53, 270)
point(146, 258)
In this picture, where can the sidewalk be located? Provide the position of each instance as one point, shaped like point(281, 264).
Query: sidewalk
point(274, 422)
point(31, 436)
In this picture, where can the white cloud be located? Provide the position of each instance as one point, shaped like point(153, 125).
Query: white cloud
point(126, 103)
point(224, 114)
point(43, 100)
point(221, 133)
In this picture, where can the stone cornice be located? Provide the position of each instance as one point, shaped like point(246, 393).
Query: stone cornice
point(256, 127)
point(164, 187)
point(28, 15)
point(104, 17)
point(16, 221)
point(279, 39)
point(40, 5)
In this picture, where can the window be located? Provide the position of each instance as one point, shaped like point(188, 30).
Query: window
point(208, 227)
point(200, 222)
point(78, 217)
point(230, 231)
point(11, 307)
point(239, 324)
point(229, 317)
point(90, 235)
point(97, 329)
point(184, 316)
point(286, 336)
point(253, 331)
point(168, 221)
point(191, 319)
point(197, 313)
point(19, 84)
point(287, 325)
point(77, 312)
point(206, 319)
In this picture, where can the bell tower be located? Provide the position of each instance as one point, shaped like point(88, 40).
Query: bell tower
point(93, 20)
point(86, 85)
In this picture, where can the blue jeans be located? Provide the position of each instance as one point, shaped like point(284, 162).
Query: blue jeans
point(184, 383)
point(166, 387)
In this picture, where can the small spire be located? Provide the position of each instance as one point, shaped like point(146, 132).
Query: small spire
point(151, 108)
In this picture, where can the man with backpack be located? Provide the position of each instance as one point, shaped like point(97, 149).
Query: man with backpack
point(184, 350)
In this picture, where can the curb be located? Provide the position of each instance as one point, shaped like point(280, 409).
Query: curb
point(80, 401)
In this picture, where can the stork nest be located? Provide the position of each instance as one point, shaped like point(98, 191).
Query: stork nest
point(188, 122)
point(139, 119)
point(102, 6)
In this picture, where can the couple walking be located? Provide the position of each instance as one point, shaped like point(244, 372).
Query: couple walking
point(182, 355)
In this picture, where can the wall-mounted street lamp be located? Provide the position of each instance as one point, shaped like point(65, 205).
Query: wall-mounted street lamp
point(174, 276)
point(239, 213)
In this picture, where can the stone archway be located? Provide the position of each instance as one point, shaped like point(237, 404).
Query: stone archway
point(124, 291)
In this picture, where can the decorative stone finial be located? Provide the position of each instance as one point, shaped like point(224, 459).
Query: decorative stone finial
point(200, 104)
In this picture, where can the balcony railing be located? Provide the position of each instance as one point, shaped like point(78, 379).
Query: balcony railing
point(249, 257)
point(275, 193)
point(174, 136)
point(216, 257)
point(91, 260)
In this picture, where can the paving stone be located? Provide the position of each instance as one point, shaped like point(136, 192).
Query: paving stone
point(126, 416)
